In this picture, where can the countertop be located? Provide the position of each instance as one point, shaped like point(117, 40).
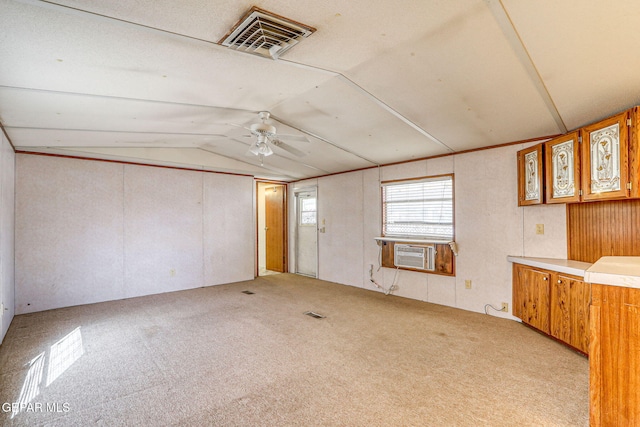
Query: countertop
point(566, 266)
point(621, 271)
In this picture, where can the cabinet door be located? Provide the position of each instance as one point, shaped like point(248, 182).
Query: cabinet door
point(560, 309)
point(605, 149)
point(580, 295)
point(569, 311)
point(533, 298)
point(531, 176)
point(562, 169)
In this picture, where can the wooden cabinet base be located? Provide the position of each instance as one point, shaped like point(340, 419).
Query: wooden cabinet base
point(553, 303)
point(614, 364)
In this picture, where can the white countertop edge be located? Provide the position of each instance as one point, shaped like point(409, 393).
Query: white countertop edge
point(566, 266)
point(623, 271)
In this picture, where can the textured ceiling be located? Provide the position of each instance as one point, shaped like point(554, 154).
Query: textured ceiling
point(378, 82)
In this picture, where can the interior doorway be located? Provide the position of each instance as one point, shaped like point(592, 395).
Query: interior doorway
point(306, 239)
point(272, 228)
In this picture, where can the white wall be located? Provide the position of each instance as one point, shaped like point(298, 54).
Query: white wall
point(262, 233)
point(489, 226)
point(90, 231)
point(7, 204)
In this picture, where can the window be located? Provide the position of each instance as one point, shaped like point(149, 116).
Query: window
point(307, 210)
point(420, 208)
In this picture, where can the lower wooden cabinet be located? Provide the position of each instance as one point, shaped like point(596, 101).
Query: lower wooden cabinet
point(531, 296)
point(569, 309)
point(614, 357)
point(554, 303)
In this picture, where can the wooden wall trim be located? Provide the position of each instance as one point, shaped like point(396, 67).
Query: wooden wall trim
point(472, 150)
point(122, 162)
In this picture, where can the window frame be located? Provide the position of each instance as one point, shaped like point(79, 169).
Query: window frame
point(399, 237)
point(300, 212)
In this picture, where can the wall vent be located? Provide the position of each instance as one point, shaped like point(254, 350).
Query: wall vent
point(412, 256)
point(266, 34)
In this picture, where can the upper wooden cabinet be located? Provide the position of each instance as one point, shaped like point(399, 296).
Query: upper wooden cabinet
point(531, 176)
point(597, 162)
point(562, 169)
point(605, 158)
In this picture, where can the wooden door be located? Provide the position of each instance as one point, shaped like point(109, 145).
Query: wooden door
point(562, 169)
point(531, 176)
point(275, 228)
point(605, 154)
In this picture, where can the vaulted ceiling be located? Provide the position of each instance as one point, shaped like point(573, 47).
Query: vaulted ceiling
point(378, 82)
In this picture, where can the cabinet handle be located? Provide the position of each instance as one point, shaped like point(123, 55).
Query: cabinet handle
point(545, 278)
point(559, 281)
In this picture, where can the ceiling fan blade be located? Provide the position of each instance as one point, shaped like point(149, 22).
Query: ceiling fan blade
point(300, 138)
point(286, 147)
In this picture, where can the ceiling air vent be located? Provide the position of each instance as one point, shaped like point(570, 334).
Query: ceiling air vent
point(266, 34)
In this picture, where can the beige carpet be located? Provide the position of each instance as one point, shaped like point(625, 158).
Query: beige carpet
point(219, 357)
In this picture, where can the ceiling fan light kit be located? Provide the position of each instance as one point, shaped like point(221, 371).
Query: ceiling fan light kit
point(266, 135)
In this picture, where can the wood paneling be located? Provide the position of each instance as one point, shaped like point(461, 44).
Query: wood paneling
point(606, 228)
point(614, 366)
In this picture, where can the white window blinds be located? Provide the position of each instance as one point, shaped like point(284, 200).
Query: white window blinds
point(419, 208)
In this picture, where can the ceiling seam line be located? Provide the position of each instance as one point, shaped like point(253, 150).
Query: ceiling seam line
point(391, 110)
point(118, 131)
point(323, 140)
point(79, 11)
point(377, 101)
point(154, 101)
point(517, 44)
point(277, 170)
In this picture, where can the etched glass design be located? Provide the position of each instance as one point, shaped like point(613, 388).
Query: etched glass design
point(605, 159)
point(562, 164)
point(532, 188)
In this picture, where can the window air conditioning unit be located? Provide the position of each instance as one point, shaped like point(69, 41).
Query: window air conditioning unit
point(412, 256)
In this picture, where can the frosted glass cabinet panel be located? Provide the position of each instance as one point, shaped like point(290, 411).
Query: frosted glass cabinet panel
point(562, 166)
point(531, 176)
point(605, 148)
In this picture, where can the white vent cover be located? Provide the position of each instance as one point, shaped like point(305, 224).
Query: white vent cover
point(411, 256)
point(266, 34)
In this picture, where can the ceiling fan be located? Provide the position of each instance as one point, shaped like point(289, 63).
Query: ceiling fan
point(266, 136)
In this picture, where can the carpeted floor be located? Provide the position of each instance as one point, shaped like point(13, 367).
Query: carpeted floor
point(219, 357)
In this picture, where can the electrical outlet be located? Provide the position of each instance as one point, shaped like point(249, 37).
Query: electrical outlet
point(505, 307)
point(172, 272)
point(539, 228)
point(467, 284)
